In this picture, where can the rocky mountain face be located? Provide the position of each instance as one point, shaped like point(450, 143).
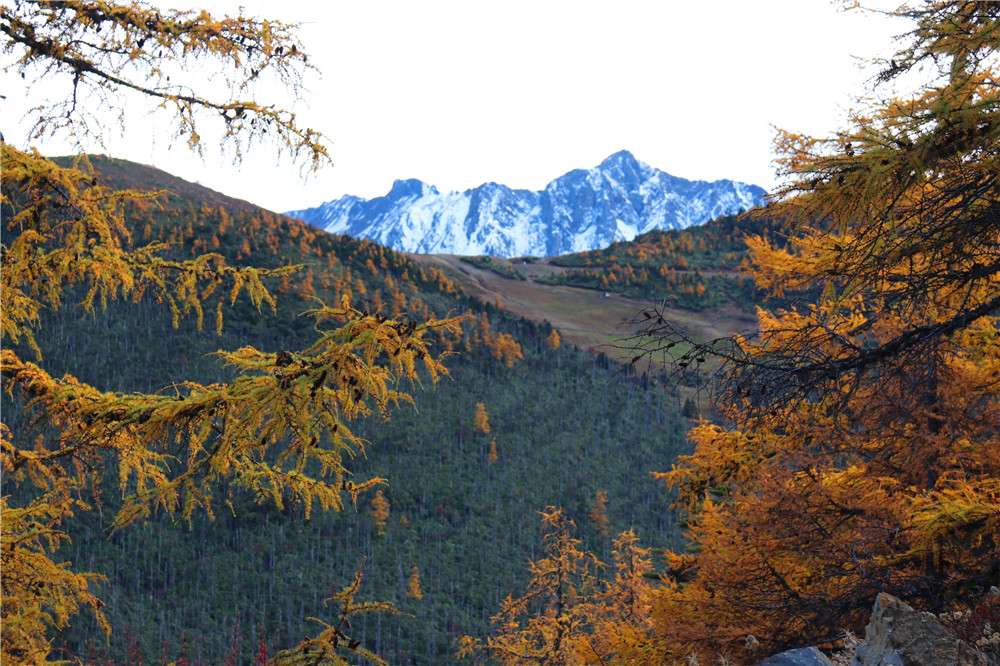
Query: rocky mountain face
point(584, 209)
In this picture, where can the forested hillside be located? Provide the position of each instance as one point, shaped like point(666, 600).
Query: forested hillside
point(228, 438)
point(695, 269)
point(461, 503)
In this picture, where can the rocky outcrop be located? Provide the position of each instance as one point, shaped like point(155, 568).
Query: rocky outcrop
point(898, 635)
point(799, 657)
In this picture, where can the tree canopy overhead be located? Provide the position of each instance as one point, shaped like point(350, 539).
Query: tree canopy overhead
point(279, 430)
point(112, 56)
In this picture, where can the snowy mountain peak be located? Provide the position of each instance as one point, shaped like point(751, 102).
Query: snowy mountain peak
point(410, 188)
point(584, 209)
point(624, 163)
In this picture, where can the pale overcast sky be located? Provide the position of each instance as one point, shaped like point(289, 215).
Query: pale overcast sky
point(519, 92)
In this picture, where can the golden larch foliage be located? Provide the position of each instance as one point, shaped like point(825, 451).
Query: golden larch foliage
point(553, 341)
point(862, 449)
point(380, 512)
point(279, 429)
point(569, 615)
point(481, 419)
point(413, 584)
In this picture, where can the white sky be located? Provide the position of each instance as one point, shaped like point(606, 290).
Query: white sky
point(457, 93)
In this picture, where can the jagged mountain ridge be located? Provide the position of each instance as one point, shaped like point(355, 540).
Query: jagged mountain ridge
point(585, 209)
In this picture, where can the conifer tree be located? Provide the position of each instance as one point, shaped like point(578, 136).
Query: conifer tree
point(599, 512)
point(622, 619)
point(861, 453)
point(380, 511)
point(413, 584)
point(279, 429)
point(481, 419)
point(548, 623)
point(553, 340)
point(569, 615)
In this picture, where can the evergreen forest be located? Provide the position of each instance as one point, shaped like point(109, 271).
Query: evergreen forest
point(468, 523)
point(232, 438)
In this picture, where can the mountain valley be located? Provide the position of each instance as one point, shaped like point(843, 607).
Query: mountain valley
point(566, 423)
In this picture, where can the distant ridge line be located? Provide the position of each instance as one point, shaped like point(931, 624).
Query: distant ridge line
point(584, 209)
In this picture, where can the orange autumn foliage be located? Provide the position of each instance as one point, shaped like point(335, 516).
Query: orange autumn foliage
point(481, 419)
point(413, 584)
point(380, 512)
point(861, 452)
point(553, 341)
point(568, 614)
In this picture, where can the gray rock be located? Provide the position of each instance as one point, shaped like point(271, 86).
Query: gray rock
point(897, 635)
point(798, 657)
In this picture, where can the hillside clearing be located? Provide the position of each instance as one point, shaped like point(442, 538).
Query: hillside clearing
point(586, 318)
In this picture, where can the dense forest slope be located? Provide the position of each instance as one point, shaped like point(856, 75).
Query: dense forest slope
point(564, 423)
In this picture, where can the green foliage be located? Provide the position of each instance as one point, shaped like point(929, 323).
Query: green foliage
point(565, 426)
point(690, 408)
point(277, 429)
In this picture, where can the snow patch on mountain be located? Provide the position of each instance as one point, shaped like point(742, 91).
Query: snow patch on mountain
point(584, 209)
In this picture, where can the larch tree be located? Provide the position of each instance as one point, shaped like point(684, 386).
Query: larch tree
point(548, 625)
point(553, 341)
point(279, 429)
point(481, 419)
point(622, 623)
point(569, 615)
point(599, 512)
point(862, 451)
point(380, 512)
point(413, 584)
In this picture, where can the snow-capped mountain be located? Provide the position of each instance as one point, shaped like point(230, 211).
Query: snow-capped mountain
point(581, 210)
